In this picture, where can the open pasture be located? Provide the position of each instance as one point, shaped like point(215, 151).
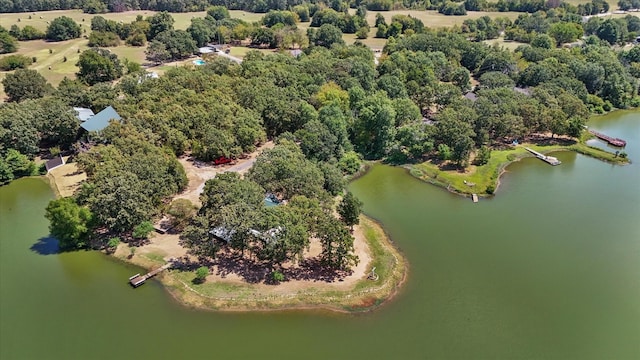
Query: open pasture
point(40, 19)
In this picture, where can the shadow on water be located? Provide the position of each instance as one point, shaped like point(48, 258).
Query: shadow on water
point(46, 246)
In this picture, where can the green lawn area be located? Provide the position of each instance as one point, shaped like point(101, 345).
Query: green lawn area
point(52, 65)
point(433, 19)
point(480, 178)
point(507, 44)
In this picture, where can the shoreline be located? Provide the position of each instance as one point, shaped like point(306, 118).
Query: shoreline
point(363, 295)
point(490, 174)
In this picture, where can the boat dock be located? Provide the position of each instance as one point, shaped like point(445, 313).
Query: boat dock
point(612, 141)
point(137, 279)
point(549, 159)
point(474, 197)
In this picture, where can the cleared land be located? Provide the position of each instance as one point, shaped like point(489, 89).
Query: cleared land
point(66, 179)
point(226, 288)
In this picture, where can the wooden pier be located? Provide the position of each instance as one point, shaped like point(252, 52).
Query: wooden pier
point(548, 159)
point(612, 141)
point(474, 197)
point(137, 279)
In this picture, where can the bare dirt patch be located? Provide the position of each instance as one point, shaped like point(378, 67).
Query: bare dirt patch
point(66, 178)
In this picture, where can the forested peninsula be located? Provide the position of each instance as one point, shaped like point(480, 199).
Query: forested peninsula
point(241, 164)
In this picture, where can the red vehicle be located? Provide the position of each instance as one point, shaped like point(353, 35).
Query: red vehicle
point(222, 160)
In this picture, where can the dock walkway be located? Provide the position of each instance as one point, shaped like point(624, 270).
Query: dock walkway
point(612, 141)
point(549, 159)
point(137, 279)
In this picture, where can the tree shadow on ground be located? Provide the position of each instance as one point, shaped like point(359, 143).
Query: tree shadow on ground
point(256, 271)
point(313, 270)
point(46, 246)
point(251, 271)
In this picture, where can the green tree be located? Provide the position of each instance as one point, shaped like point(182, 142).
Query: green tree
point(565, 32)
point(218, 12)
point(8, 43)
point(362, 33)
point(157, 52)
point(284, 170)
point(610, 31)
point(350, 162)
point(201, 274)
point(229, 188)
point(178, 43)
point(201, 31)
point(142, 230)
point(337, 244)
point(12, 62)
point(24, 84)
point(181, 212)
point(327, 35)
point(63, 28)
point(349, 209)
point(18, 163)
point(98, 65)
point(374, 126)
point(159, 23)
point(113, 243)
point(69, 222)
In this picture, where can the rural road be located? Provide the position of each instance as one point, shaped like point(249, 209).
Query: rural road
point(230, 57)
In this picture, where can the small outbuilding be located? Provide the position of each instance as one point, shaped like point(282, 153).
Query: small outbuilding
point(54, 163)
point(83, 114)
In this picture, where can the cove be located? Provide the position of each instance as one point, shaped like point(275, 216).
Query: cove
point(546, 269)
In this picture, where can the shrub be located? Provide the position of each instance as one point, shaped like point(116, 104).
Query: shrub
point(362, 33)
point(137, 39)
point(113, 243)
point(483, 156)
point(103, 39)
point(201, 274)
point(490, 189)
point(277, 276)
point(13, 62)
point(142, 230)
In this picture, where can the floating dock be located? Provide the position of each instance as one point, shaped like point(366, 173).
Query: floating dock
point(548, 159)
point(137, 279)
point(474, 197)
point(612, 141)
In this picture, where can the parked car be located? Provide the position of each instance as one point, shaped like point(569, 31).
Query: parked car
point(222, 160)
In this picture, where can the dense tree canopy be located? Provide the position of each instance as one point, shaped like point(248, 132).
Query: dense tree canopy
point(24, 84)
point(98, 65)
point(63, 28)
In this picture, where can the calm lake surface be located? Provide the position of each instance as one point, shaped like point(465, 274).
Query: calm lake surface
point(548, 269)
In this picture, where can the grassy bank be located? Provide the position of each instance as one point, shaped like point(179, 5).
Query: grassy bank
point(485, 179)
point(364, 295)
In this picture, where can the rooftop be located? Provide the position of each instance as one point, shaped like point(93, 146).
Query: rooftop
point(101, 120)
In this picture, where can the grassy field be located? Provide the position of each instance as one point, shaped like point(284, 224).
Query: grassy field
point(433, 19)
point(39, 20)
point(508, 44)
point(52, 64)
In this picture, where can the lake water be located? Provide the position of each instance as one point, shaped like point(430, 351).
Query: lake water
point(547, 269)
